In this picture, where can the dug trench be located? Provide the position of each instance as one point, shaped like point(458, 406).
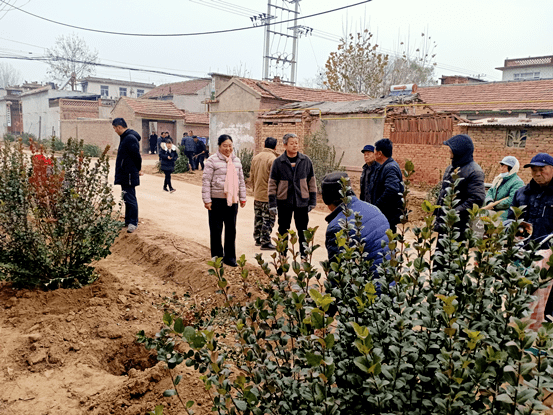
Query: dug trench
point(74, 351)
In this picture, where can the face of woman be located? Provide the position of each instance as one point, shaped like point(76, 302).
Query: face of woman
point(503, 168)
point(226, 148)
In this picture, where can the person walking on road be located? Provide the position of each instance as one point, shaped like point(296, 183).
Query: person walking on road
point(292, 188)
point(168, 155)
point(259, 174)
point(223, 187)
point(128, 169)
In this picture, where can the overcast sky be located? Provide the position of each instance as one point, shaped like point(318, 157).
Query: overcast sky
point(472, 37)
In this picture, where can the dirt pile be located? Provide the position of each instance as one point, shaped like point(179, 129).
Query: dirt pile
point(74, 351)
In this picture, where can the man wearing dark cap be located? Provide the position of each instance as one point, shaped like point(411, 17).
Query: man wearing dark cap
point(367, 175)
point(537, 196)
point(387, 183)
point(471, 188)
point(374, 223)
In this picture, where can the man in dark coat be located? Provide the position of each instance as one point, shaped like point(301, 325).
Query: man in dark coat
point(367, 176)
point(374, 222)
point(153, 143)
point(128, 166)
point(537, 196)
point(388, 187)
point(189, 150)
point(471, 189)
point(292, 188)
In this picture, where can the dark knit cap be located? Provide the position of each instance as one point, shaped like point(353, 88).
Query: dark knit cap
point(331, 186)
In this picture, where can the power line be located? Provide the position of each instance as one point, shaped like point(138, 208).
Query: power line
point(180, 34)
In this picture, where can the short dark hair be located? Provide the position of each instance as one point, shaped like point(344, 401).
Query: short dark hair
point(169, 141)
point(222, 138)
point(119, 121)
point(270, 142)
point(331, 186)
point(185, 133)
point(194, 136)
point(385, 146)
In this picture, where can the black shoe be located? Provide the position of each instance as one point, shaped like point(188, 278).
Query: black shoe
point(230, 263)
point(165, 190)
point(257, 243)
point(173, 190)
point(268, 247)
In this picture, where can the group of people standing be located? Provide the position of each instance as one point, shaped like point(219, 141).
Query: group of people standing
point(195, 150)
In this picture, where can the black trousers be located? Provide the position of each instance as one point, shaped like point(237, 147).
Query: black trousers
point(167, 182)
point(131, 204)
point(301, 219)
point(223, 215)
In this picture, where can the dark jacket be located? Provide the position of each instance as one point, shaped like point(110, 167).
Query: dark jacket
point(292, 186)
point(200, 147)
point(471, 189)
point(387, 186)
point(367, 181)
point(129, 161)
point(189, 144)
point(539, 207)
point(164, 154)
point(153, 140)
point(373, 232)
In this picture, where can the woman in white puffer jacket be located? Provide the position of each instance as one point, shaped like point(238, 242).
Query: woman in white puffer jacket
point(223, 186)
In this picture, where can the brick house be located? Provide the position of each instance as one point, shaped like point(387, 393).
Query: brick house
point(236, 102)
point(453, 109)
point(189, 96)
point(146, 115)
point(198, 123)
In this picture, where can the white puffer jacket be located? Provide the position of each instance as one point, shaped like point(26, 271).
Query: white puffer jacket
point(213, 180)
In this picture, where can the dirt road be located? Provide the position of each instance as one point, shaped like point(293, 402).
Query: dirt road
point(183, 214)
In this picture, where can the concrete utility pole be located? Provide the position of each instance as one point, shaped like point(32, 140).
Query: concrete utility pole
point(280, 60)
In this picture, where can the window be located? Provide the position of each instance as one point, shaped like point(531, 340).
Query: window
point(139, 93)
point(527, 75)
point(516, 138)
point(85, 86)
point(104, 90)
point(122, 92)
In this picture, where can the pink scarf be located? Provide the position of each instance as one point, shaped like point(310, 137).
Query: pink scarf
point(231, 180)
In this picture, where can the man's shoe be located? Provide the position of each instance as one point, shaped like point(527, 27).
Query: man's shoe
point(172, 190)
point(268, 247)
point(230, 263)
point(257, 243)
point(165, 190)
point(131, 228)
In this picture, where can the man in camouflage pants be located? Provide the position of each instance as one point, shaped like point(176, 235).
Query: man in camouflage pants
point(259, 173)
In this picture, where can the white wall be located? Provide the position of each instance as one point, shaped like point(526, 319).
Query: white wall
point(193, 103)
point(94, 88)
point(545, 72)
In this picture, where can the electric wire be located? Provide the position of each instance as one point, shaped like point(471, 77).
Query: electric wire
point(179, 34)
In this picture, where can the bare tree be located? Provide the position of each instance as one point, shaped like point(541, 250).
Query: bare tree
point(357, 66)
point(70, 59)
point(9, 76)
point(318, 81)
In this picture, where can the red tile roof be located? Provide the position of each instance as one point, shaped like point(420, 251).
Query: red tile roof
point(155, 109)
point(196, 118)
point(490, 96)
point(178, 88)
point(275, 90)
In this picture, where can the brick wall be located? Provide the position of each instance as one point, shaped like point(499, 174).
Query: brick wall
point(490, 147)
point(71, 109)
point(99, 132)
point(277, 130)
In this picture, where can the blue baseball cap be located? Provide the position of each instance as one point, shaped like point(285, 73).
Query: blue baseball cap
point(368, 147)
point(540, 160)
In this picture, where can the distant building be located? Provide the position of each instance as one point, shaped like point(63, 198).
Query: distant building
point(540, 67)
point(189, 96)
point(11, 117)
point(113, 89)
point(459, 79)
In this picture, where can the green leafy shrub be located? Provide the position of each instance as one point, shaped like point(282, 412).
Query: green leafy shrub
point(322, 155)
point(56, 216)
point(246, 155)
point(9, 137)
point(54, 144)
point(92, 150)
point(27, 137)
point(417, 340)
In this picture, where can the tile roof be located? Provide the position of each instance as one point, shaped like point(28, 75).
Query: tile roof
point(196, 118)
point(275, 90)
point(178, 88)
point(155, 109)
point(490, 96)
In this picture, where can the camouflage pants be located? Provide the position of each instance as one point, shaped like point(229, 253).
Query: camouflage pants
point(264, 222)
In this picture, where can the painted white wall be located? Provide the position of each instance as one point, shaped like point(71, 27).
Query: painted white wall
point(94, 87)
point(544, 73)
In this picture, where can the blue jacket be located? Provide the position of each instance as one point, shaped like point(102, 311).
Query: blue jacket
point(164, 154)
point(373, 232)
point(387, 186)
point(189, 144)
point(129, 161)
point(539, 207)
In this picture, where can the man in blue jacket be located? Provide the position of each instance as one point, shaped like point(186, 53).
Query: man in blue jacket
point(537, 196)
point(128, 166)
point(388, 183)
point(374, 222)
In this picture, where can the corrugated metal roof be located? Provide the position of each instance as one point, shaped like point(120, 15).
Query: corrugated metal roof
point(510, 122)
